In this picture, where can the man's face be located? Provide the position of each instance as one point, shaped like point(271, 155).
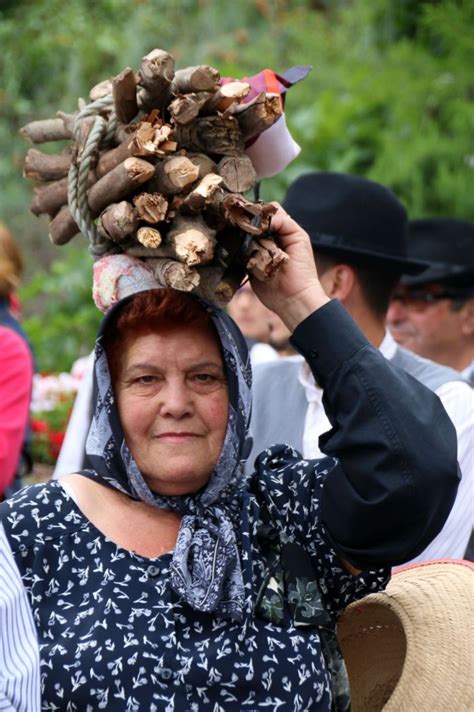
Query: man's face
point(252, 317)
point(422, 319)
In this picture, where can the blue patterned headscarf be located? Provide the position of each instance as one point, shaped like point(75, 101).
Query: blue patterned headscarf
point(205, 570)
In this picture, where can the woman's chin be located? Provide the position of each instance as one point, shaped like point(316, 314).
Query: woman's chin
point(176, 484)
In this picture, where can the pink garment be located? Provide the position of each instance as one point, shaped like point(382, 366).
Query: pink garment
point(16, 375)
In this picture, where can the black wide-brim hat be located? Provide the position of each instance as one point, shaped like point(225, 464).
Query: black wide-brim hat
point(352, 217)
point(447, 245)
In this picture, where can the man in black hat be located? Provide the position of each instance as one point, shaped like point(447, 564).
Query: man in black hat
point(359, 233)
point(433, 313)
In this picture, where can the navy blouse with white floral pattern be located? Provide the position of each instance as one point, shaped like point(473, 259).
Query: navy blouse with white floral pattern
point(114, 636)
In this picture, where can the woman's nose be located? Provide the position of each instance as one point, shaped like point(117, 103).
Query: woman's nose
point(176, 399)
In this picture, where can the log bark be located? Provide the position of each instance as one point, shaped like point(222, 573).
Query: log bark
point(124, 92)
point(151, 207)
point(173, 174)
point(265, 258)
point(175, 274)
point(62, 228)
point(48, 199)
point(212, 134)
point(253, 218)
point(46, 130)
point(149, 237)
point(117, 184)
point(154, 77)
point(194, 79)
point(259, 114)
point(238, 173)
point(68, 121)
point(108, 160)
point(192, 240)
point(118, 221)
point(45, 167)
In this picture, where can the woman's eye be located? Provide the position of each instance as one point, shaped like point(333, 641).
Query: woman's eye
point(205, 378)
point(145, 380)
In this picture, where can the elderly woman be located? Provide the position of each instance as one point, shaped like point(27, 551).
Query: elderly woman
point(161, 579)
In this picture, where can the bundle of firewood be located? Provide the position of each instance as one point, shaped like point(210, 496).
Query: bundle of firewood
point(156, 169)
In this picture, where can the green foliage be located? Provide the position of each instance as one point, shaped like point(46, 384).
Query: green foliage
point(66, 321)
point(390, 97)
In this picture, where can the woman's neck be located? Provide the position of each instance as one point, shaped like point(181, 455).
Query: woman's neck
point(133, 525)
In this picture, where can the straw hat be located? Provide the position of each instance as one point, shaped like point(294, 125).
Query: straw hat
point(411, 648)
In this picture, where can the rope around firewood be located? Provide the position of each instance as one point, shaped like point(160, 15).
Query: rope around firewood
point(101, 132)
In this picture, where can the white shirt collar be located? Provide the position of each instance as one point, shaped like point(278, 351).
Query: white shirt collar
point(388, 347)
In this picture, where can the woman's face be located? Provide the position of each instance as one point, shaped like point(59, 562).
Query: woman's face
point(173, 405)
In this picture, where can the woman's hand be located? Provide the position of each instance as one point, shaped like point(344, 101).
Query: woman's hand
point(294, 292)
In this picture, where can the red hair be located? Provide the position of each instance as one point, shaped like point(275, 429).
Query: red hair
point(150, 312)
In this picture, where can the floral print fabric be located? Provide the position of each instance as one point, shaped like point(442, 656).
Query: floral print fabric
point(113, 633)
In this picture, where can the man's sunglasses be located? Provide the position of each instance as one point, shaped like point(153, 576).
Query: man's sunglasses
point(419, 298)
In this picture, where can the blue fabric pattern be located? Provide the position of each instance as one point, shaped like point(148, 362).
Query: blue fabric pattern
point(114, 635)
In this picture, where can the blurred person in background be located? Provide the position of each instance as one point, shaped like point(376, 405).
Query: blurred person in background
point(16, 369)
point(359, 233)
point(254, 320)
point(280, 336)
point(16, 376)
point(432, 313)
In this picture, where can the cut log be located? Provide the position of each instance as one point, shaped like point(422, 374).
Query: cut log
point(151, 207)
point(258, 114)
point(155, 76)
point(265, 258)
point(192, 240)
point(237, 173)
point(194, 79)
point(62, 228)
point(100, 90)
point(45, 166)
point(228, 285)
point(212, 134)
point(124, 92)
point(227, 95)
point(152, 140)
point(118, 221)
point(149, 237)
point(174, 274)
point(46, 130)
point(173, 174)
point(253, 218)
point(207, 192)
point(206, 165)
point(117, 184)
point(186, 107)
